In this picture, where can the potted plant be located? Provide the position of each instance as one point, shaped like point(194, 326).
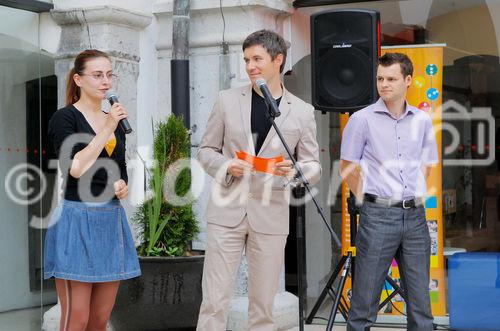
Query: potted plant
point(168, 294)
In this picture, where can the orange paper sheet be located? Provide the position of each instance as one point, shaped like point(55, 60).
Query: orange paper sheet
point(259, 163)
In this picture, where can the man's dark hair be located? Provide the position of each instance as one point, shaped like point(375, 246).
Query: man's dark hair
point(388, 59)
point(271, 41)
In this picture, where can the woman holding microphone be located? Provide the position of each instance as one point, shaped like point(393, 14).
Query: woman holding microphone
point(88, 246)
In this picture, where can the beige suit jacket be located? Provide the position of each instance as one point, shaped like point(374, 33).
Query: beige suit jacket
point(264, 198)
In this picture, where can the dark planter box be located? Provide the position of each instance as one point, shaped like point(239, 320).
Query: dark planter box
point(166, 297)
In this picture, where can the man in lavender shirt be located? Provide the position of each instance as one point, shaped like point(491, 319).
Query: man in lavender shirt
point(386, 154)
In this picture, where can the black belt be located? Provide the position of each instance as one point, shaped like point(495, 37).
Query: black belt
point(405, 203)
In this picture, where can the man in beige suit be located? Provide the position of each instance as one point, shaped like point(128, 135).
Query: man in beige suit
point(248, 208)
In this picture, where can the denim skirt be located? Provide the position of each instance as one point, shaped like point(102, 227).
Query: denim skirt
point(90, 242)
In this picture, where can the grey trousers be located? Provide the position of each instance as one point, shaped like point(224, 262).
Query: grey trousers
point(385, 233)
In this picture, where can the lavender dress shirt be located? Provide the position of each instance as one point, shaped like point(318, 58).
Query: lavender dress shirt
point(390, 150)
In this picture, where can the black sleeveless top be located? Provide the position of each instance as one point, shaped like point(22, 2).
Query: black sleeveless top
point(96, 184)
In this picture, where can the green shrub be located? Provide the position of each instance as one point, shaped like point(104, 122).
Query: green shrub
point(167, 229)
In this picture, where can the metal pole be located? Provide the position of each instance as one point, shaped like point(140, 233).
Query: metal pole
point(179, 64)
point(299, 194)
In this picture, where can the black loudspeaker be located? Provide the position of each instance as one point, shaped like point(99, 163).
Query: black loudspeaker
point(345, 46)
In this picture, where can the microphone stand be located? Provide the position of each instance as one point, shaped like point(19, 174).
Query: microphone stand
point(301, 182)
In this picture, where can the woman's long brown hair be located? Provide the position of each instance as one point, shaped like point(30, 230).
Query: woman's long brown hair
point(73, 90)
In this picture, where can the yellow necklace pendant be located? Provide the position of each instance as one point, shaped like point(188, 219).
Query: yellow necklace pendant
point(110, 146)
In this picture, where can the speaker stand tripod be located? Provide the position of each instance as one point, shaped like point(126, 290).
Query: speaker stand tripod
point(346, 265)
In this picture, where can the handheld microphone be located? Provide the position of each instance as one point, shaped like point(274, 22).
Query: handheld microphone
point(273, 108)
point(124, 124)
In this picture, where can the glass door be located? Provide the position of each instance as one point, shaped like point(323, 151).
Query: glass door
point(28, 97)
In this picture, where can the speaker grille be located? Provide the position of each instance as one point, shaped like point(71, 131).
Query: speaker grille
point(345, 78)
point(344, 53)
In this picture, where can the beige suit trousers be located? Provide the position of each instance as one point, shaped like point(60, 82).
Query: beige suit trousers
point(265, 254)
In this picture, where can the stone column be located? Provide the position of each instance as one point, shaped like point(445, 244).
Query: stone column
point(116, 31)
point(206, 69)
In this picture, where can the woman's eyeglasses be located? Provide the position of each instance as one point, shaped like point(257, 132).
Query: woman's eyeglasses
point(100, 76)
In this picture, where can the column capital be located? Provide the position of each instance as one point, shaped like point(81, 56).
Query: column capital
point(111, 29)
point(101, 14)
point(166, 6)
point(206, 24)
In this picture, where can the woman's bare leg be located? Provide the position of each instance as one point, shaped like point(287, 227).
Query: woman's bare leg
point(64, 295)
point(101, 305)
point(79, 307)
